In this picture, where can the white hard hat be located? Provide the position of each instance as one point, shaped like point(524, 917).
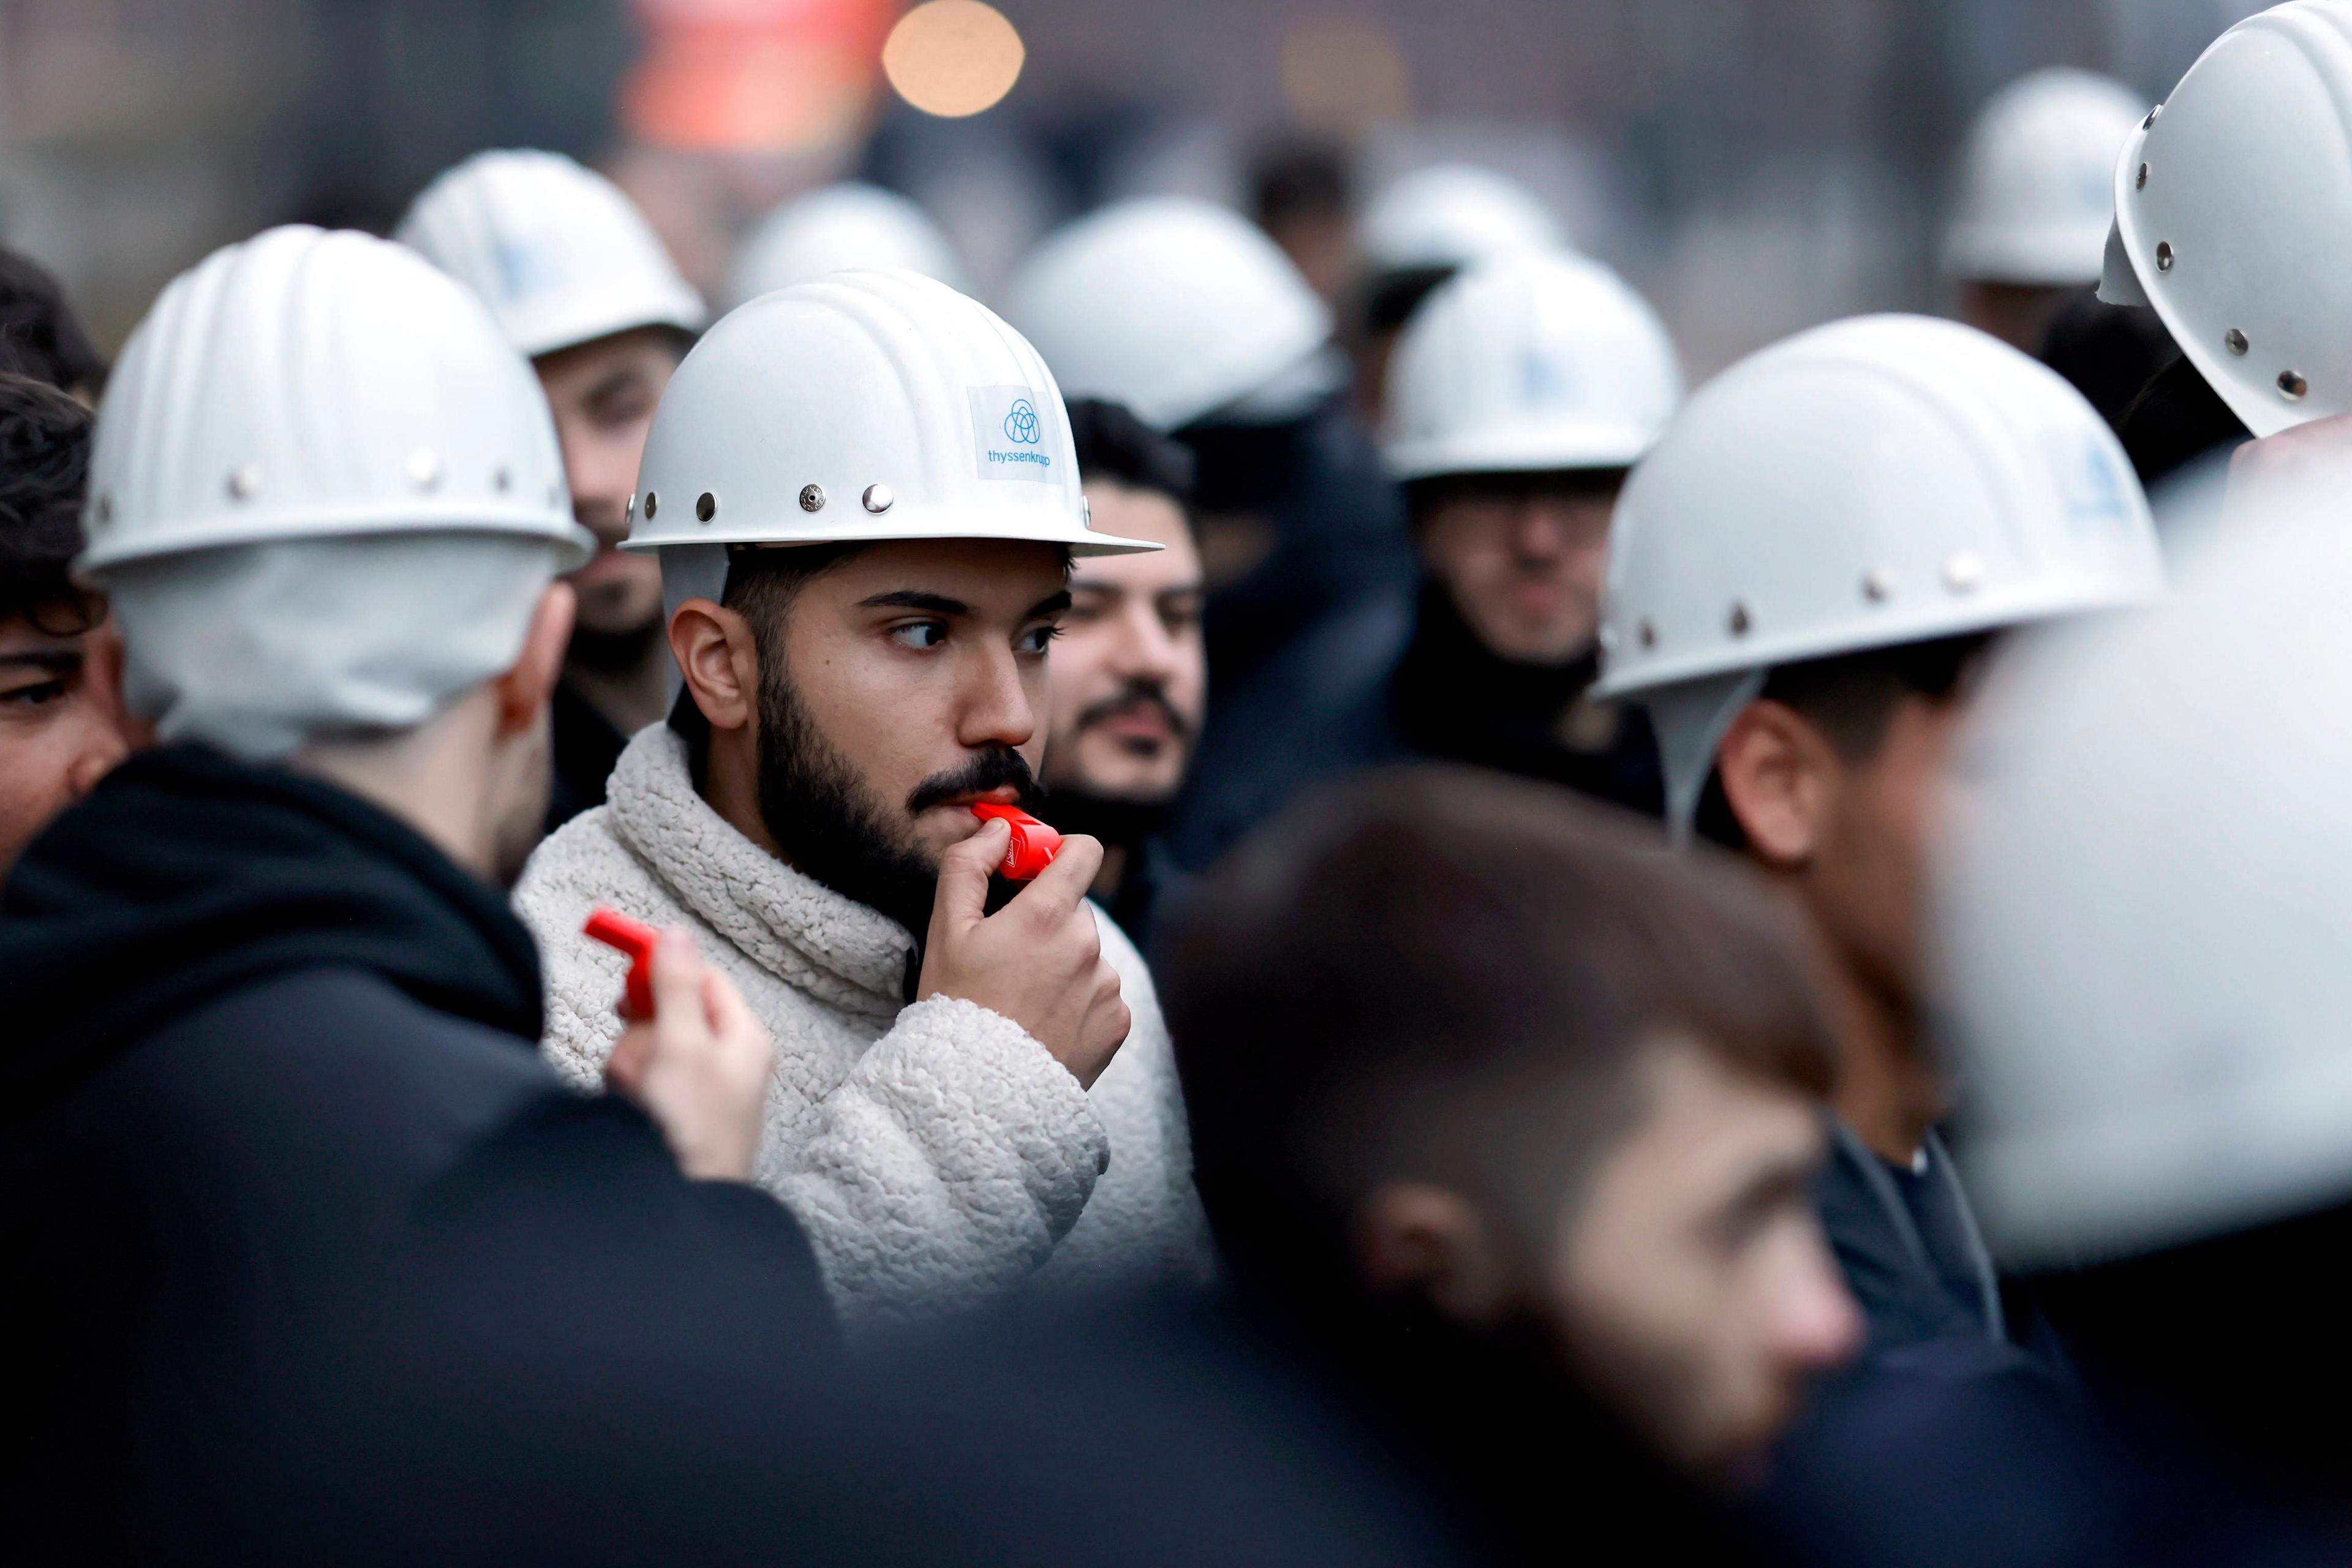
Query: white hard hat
point(839, 227)
point(560, 254)
point(2233, 216)
point(1178, 308)
point(1528, 363)
point(1878, 482)
point(2036, 180)
point(2139, 918)
point(859, 407)
point(306, 383)
point(1451, 216)
point(324, 495)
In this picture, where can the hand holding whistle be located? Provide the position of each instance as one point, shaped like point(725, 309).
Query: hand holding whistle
point(1033, 846)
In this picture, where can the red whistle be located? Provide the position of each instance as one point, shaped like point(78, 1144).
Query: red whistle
point(615, 929)
point(1034, 845)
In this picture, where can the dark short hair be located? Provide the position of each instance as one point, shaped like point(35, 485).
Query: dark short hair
point(1113, 443)
point(1308, 177)
point(1852, 700)
point(44, 439)
point(1424, 495)
point(1442, 974)
point(39, 334)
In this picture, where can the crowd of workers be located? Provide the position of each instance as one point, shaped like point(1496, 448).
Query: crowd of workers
point(1748, 974)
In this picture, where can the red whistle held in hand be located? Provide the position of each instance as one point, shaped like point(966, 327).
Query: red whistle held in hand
point(615, 929)
point(1034, 845)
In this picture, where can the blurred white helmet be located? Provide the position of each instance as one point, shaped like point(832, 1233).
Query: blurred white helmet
point(560, 254)
point(2140, 923)
point(859, 407)
point(325, 494)
point(1451, 214)
point(839, 227)
point(2036, 180)
point(1178, 308)
point(2233, 213)
point(1528, 363)
point(1873, 482)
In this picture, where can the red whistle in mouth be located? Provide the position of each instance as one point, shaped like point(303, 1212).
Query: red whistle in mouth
point(636, 939)
point(1034, 845)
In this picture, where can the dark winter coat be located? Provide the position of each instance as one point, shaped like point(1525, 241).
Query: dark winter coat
point(263, 1039)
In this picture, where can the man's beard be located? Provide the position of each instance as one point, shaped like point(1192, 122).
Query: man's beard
point(831, 827)
point(1118, 819)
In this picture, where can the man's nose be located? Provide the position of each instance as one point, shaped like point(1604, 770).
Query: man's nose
point(996, 709)
point(1143, 647)
point(1815, 1321)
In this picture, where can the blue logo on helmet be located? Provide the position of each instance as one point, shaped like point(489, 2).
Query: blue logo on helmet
point(1021, 423)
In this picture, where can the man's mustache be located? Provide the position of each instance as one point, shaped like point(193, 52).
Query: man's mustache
point(987, 770)
point(1134, 695)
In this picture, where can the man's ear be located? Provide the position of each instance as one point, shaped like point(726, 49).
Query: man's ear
point(1414, 1238)
point(1781, 778)
point(716, 653)
point(524, 689)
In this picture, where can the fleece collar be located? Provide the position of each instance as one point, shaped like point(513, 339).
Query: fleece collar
point(809, 936)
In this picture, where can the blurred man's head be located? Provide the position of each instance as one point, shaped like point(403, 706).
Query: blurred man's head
point(1831, 778)
point(602, 394)
point(1465, 1042)
point(1520, 555)
point(581, 285)
point(40, 336)
point(329, 511)
point(855, 700)
point(1130, 672)
point(61, 724)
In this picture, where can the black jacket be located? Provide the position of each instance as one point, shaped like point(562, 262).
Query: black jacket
point(272, 1063)
point(1402, 677)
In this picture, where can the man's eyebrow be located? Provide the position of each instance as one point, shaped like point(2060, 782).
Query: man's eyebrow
point(1053, 603)
point(915, 599)
point(612, 386)
point(62, 660)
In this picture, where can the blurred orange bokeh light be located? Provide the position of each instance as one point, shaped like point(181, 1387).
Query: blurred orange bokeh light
point(755, 76)
point(953, 57)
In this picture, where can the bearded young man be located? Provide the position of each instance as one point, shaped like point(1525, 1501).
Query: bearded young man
point(864, 492)
point(1131, 670)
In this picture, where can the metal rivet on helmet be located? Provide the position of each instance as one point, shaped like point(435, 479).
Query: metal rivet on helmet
point(812, 498)
point(105, 510)
point(1741, 620)
point(2141, 182)
point(706, 507)
point(1649, 634)
point(877, 499)
point(1963, 570)
point(1878, 585)
point(2152, 113)
point(651, 501)
point(2292, 387)
point(245, 483)
point(2234, 340)
point(2164, 256)
point(423, 469)
point(503, 480)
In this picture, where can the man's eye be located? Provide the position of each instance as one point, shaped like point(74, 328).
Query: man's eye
point(40, 694)
point(1035, 638)
point(921, 634)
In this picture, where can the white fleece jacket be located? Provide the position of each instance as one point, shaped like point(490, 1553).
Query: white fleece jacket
point(936, 1153)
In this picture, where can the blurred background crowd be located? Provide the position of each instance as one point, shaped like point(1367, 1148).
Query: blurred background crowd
point(1751, 168)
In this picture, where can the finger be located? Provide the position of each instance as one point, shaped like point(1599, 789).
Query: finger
point(731, 1018)
point(624, 1069)
point(1060, 885)
point(963, 896)
point(678, 979)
